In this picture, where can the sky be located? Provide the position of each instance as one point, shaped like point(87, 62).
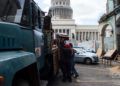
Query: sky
point(85, 12)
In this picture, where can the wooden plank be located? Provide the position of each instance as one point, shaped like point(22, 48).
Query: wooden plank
point(99, 52)
point(110, 53)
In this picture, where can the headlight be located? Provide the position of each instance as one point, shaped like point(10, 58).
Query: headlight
point(1, 80)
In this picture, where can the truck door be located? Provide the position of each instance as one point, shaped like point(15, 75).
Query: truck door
point(38, 35)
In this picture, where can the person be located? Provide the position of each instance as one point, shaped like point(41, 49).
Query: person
point(62, 59)
point(73, 70)
point(65, 60)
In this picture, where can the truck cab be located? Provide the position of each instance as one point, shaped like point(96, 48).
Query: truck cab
point(22, 43)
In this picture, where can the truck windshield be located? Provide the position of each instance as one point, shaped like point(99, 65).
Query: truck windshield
point(10, 10)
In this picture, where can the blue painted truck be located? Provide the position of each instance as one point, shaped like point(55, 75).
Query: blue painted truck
point(24, 54)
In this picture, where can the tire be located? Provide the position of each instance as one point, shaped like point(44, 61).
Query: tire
point(21, 82)
point(88, 61)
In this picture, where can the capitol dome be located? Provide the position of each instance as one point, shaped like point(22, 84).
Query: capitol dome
point(60, 9)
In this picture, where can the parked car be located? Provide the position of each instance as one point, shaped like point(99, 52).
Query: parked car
point(90, 50)
point(83, 56)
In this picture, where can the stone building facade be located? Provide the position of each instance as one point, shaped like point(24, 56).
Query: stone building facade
point(109, 27)
point(63, 22)
point(87, 32)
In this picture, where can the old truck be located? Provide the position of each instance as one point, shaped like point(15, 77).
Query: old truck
point(26, 53)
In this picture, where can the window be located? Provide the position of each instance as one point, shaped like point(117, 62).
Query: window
point(25, 16)
point(8, 10)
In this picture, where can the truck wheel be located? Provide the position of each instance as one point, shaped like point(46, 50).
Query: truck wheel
point(88, 61)
point(20, 82)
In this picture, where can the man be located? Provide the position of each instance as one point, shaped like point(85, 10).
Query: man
point(65, 60)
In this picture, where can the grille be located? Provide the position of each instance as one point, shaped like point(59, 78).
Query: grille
point(7, 42)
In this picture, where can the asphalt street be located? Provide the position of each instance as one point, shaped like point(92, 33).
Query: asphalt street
point(89, 75)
